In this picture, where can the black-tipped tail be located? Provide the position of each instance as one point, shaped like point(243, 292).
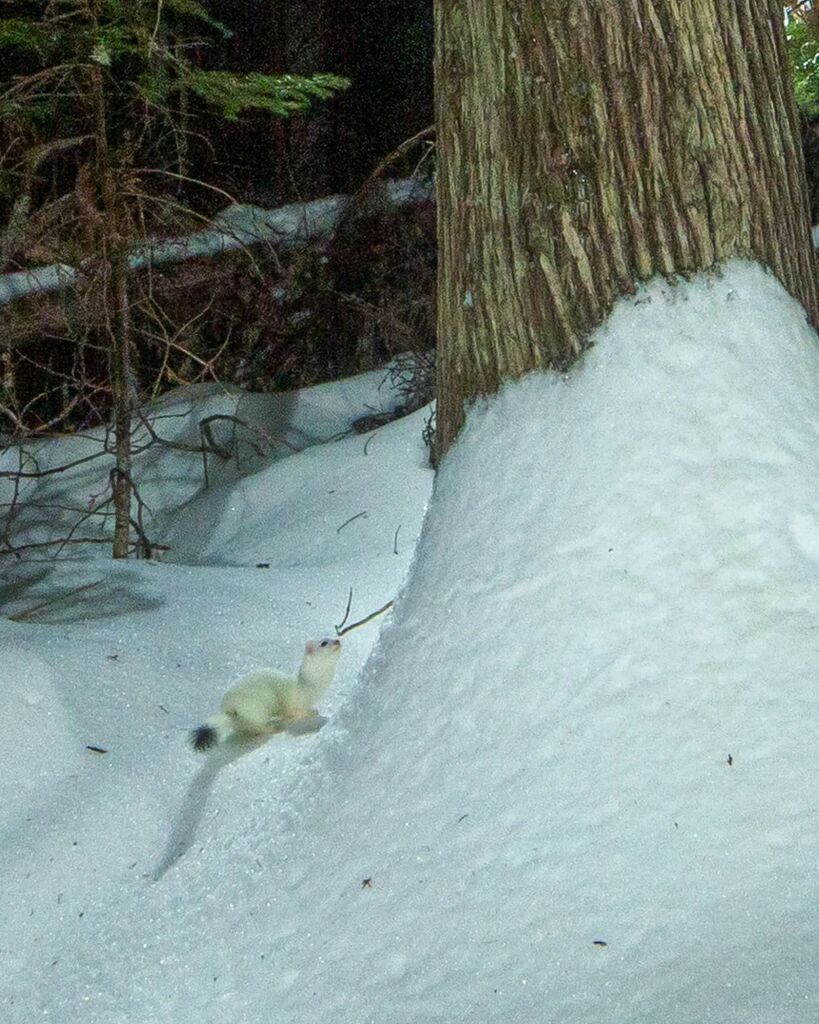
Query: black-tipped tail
point(203, 737)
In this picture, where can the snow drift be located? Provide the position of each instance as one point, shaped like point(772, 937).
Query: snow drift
point(577, 779)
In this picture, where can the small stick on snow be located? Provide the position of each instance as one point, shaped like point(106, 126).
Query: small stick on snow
point(361, 622)
point(358, 515)
point(346, 612)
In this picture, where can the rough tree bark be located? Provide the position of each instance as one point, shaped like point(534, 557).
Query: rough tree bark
point(113, 264)
point(585, 146)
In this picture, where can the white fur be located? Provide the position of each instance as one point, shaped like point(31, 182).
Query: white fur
point(266, 701)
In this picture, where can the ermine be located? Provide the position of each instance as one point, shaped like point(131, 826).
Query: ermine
point(267, 702)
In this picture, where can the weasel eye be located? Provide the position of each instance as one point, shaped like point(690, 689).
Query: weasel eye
point(325, 643)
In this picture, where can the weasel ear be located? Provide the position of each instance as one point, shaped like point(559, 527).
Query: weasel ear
point(310, 649)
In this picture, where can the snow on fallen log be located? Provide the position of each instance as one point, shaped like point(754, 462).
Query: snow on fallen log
point(235, 227)
point(40, 279)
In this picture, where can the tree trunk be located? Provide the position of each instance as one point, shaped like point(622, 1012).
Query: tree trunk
point(120, 333)
point(586, 146)
point(308, 38)
point(113, 261)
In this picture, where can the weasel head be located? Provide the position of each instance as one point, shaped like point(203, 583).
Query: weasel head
point(325, 648)
point(319, 663)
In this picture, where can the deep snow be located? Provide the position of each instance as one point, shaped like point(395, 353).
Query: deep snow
point(576, 780)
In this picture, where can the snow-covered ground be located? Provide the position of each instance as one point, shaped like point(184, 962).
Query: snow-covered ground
point(574, 782)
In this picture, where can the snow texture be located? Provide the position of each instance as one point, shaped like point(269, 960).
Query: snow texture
point(194, 504)
point(576, 779)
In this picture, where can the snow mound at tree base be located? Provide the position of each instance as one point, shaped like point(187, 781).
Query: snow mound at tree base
point(578, 781)
point(580, 775)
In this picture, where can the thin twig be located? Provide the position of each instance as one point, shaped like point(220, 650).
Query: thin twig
point(346, 610)
point(9, 474)
point(50, 544)
point(396, 154)
point(358, 515)
point(368, 618)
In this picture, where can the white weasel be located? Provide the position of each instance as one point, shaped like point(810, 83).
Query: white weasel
point(266, 701)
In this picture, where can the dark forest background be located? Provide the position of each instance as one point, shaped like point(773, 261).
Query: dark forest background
point(262, 319)
point(384, 47)
point(126, 124)
point(259, 318)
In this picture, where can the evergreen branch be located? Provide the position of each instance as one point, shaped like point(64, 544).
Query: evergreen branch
point(192, 9)
point(233, 93)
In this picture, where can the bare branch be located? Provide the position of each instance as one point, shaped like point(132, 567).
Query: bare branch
point(361, 622)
